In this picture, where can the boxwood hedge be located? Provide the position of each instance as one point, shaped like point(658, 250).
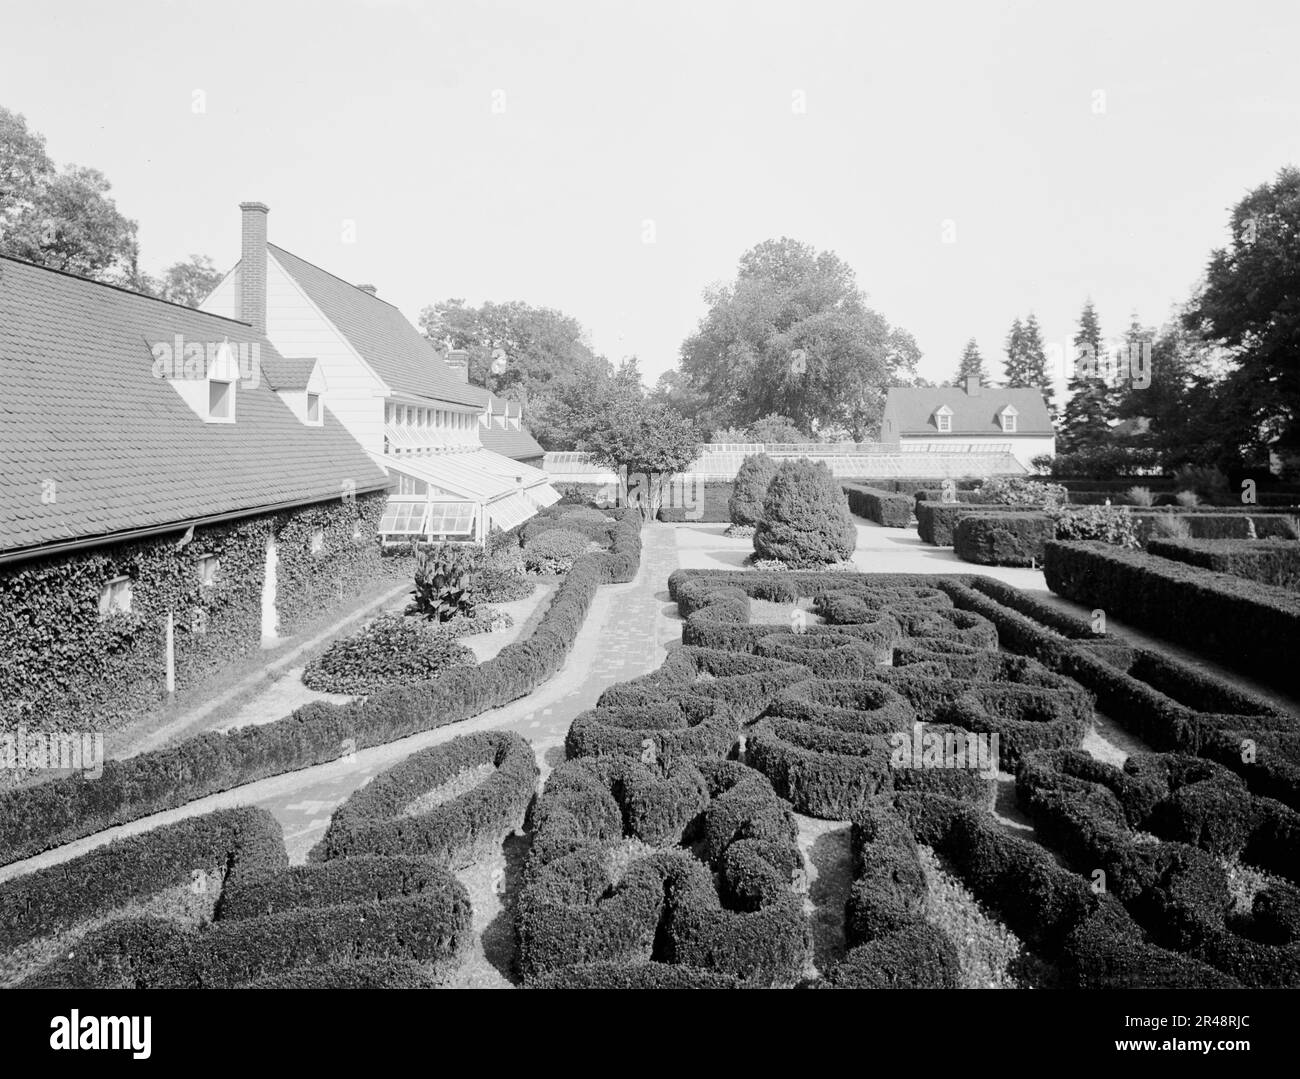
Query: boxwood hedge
point(884, 507)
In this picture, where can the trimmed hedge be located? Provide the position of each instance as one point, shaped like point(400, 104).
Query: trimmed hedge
point(1251, 626)
point(936, 522)
point(247, 843)
point(647, 975)
point(884, 507)
point(363, 974)
point(1003, 539)
point(36, 818)
point(329, 884)
point(668, 730)
point(375, 820)
point(1267, 561)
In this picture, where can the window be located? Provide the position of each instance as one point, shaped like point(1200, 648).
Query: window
point(1009, 422)
point(403, 519)
point(115, 598)
point(451, 519)
point(207, 567)
point(317, 541)
point(221, 400)
point(313, 408)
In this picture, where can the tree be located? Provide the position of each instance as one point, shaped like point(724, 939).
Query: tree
point(647, 444)
point(1035, 363)
point(1092, 403)
point(191, 282)
point(792, 335)
point(776, 429)
point(1248, 306)
point(971, 365)
point(24, 168)
point(745, 506)
point(806, 520)
point(1016, 364)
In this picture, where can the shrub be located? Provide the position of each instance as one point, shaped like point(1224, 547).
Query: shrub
point(443, 575)
point(884, 507)
point(554, 551)
point(1251, 626)
point(936, 522)
point(1140, 496)
point(1169, 526)
point(1104, 462)
point(635, 975)
point(594, 531)
point(496, 584)
point(1108, 524)
point(1208, 484)
point(1019, 491)
point(1003, 539)
point(360, 974)
point(746, 504)
point(806, 520)
point(1187, 499)
point(583, 513)
point(381, 818)
point(391, 650)
point(1269, 561)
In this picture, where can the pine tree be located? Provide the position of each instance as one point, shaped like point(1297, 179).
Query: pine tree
point(1035, 359)
point(1092, 401)
point(1016, 368)
point(972, 363)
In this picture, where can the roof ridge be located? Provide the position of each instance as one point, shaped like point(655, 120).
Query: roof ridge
point(124, 291)
point(342, 281)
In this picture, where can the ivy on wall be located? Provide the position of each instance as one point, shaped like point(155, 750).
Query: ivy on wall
point(65, 669)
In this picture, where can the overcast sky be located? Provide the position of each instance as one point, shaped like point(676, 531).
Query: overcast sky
point(513, 151)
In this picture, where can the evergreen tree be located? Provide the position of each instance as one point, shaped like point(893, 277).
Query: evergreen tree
point(1035, 359)
point(972, 363)
point(1092, 401)
point(1016, 367)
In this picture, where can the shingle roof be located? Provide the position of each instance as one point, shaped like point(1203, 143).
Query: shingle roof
point(401, 355)
point(510, 443)
point(909, 411)
point(284, 373)
point(80, 406)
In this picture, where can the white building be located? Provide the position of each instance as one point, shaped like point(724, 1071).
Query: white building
point(414, 413)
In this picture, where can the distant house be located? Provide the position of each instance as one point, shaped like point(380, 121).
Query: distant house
point(461, 461)
point(172, 494)
point(946, 417)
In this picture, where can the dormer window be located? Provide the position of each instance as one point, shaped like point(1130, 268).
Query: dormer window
point(1009, 415)
point(313, 408)
point(221, 400)
point(943, 419)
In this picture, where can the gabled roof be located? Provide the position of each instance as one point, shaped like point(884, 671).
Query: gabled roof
point(510, 443)
point(401, 355)
point(909, 411)
point(284, 373)
point(80, 406)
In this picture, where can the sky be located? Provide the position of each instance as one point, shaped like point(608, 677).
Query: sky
point(971, 161)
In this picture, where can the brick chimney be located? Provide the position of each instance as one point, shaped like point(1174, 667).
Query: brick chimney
point(972, 386)
point(370, 289)
point(458, 361)
point(252, 266)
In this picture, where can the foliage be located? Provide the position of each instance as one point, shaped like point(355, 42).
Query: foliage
point(1187, 498)
point(1017, 491)
point(1110, 524)
point(792, 334)
point(554, 551)
point(495, 583)
point(1026, 362)
point(1210, 484)
point(752, 479)
point(806, 519)
point(971, 365)
point(775, 429)
point(1092, 403)
point(1172, 526)
point(638, 438)
point(444, 578)
point(189, 283)
point(1102, 462)
point(1140, 496)
point(391, 650)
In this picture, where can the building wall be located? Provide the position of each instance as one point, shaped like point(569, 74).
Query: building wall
point(296, 327)
point(1023, 449)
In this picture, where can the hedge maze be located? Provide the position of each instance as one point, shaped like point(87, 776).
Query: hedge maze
point(665, 849)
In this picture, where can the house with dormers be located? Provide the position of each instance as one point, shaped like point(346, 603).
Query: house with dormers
point(460, 459)
point(975, 416)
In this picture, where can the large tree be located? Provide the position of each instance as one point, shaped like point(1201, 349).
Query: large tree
point(189, 282)
point(1015, 365)
point(971, 365)
point(1092, 402)
point(645, 443)
point(792, 335)
point(1250, 306)
point(535, 355)
point(1034, 358)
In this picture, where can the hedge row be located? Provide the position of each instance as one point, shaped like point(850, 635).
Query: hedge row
point(379, 819)
point(1094, 941)
point(37, 818)
point(936, 522)
point(1251, 626)
point(1267, 561)
point(1003, 539)
point(685, 727)
point(1179, 892)
point(329, 884)
point(1170, 705)
point(884, 507)
point(245, 843)
point(431, 927)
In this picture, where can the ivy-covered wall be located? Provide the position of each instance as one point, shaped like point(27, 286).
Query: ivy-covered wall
point(65, 669)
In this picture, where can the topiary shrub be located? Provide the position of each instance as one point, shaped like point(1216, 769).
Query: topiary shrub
point(554, 551)
point(745, 507)
point(806, 519)
point(391, 650)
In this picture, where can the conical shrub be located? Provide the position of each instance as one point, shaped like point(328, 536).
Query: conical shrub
point(806, 520)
